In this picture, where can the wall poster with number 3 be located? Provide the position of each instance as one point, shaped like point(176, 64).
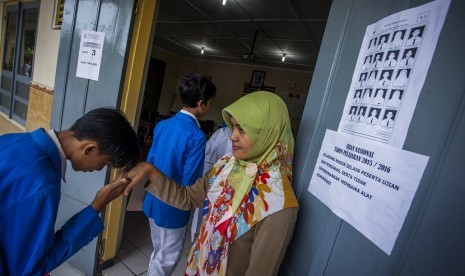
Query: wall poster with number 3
point(90, 55)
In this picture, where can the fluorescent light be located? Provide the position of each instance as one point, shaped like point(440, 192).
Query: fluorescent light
point(284, 57)
point(224, 2)
point(203, 49)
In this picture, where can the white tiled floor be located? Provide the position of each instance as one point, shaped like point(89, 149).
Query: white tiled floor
point(133, 256)
point(136, 247)
point(68, 270)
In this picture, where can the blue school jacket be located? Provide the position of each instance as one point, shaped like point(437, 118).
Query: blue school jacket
point(178, 150)
point(30, 170)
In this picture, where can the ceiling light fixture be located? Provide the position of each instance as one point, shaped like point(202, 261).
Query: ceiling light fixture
point(224, 2)
point(203, 49)
point(284, 57)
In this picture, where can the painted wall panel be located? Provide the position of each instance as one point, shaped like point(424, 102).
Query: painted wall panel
point(431, 241)
point(76, 96)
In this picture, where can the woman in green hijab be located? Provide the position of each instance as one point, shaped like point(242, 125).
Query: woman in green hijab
point(249, 207)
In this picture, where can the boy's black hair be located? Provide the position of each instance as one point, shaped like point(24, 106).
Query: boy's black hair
point(113, 133)
point(195, 87)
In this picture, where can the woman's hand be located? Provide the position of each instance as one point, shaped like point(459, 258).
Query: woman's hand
point(137, 173)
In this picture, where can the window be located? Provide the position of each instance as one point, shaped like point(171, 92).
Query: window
point(17, 57)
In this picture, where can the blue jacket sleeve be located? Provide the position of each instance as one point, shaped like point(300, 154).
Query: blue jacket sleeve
point(33, 247)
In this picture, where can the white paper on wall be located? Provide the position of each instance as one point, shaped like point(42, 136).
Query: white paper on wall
point(90, 55)
point(391, 68)
point(368, 184)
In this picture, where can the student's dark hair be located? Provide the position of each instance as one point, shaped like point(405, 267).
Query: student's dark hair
point(195, 87)
point(113, 133)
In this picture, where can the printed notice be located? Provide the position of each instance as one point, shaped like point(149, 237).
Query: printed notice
point(90, 55)
point(393, 61)
point(368, 184)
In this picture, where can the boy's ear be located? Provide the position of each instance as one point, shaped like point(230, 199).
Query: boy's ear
point(200, 102)
point(90, 147)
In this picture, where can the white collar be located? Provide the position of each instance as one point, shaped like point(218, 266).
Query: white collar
point(51, 133)
point(192, 115)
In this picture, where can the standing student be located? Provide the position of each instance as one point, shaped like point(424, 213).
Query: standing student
point(218, 145)
point(178, 150)
point(32, 165)
point(250, 207)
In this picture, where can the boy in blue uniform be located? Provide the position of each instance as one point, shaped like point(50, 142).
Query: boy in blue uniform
point(178, 150)
point(32, 165)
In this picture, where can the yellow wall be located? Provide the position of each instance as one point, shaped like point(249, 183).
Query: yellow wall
point(229, 79)
point(40, 107)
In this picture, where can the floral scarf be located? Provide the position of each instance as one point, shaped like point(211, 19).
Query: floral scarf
point(243, 192)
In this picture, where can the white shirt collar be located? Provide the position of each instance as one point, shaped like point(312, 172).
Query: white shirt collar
point(51, 133)
point(192, 115)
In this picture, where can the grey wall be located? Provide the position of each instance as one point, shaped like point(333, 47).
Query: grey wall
point(432, 239)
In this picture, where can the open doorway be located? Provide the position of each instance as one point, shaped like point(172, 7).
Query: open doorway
point(222, 42)
point(149, 115)
point(135, 248)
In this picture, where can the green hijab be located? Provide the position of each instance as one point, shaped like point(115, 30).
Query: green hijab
point(264, 118)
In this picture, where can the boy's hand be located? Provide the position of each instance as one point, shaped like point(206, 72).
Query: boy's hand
point(109, 192)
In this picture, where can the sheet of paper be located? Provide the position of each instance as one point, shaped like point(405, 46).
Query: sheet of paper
point(368, 184)
point(90, 55)
point(392, 65)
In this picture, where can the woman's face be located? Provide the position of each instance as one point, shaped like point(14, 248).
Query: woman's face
point(241, 143)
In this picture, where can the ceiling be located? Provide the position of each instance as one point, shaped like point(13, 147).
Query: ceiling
point(291, 27)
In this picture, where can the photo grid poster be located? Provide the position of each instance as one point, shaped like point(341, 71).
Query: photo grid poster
point(362, 173)
point(391, 68)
